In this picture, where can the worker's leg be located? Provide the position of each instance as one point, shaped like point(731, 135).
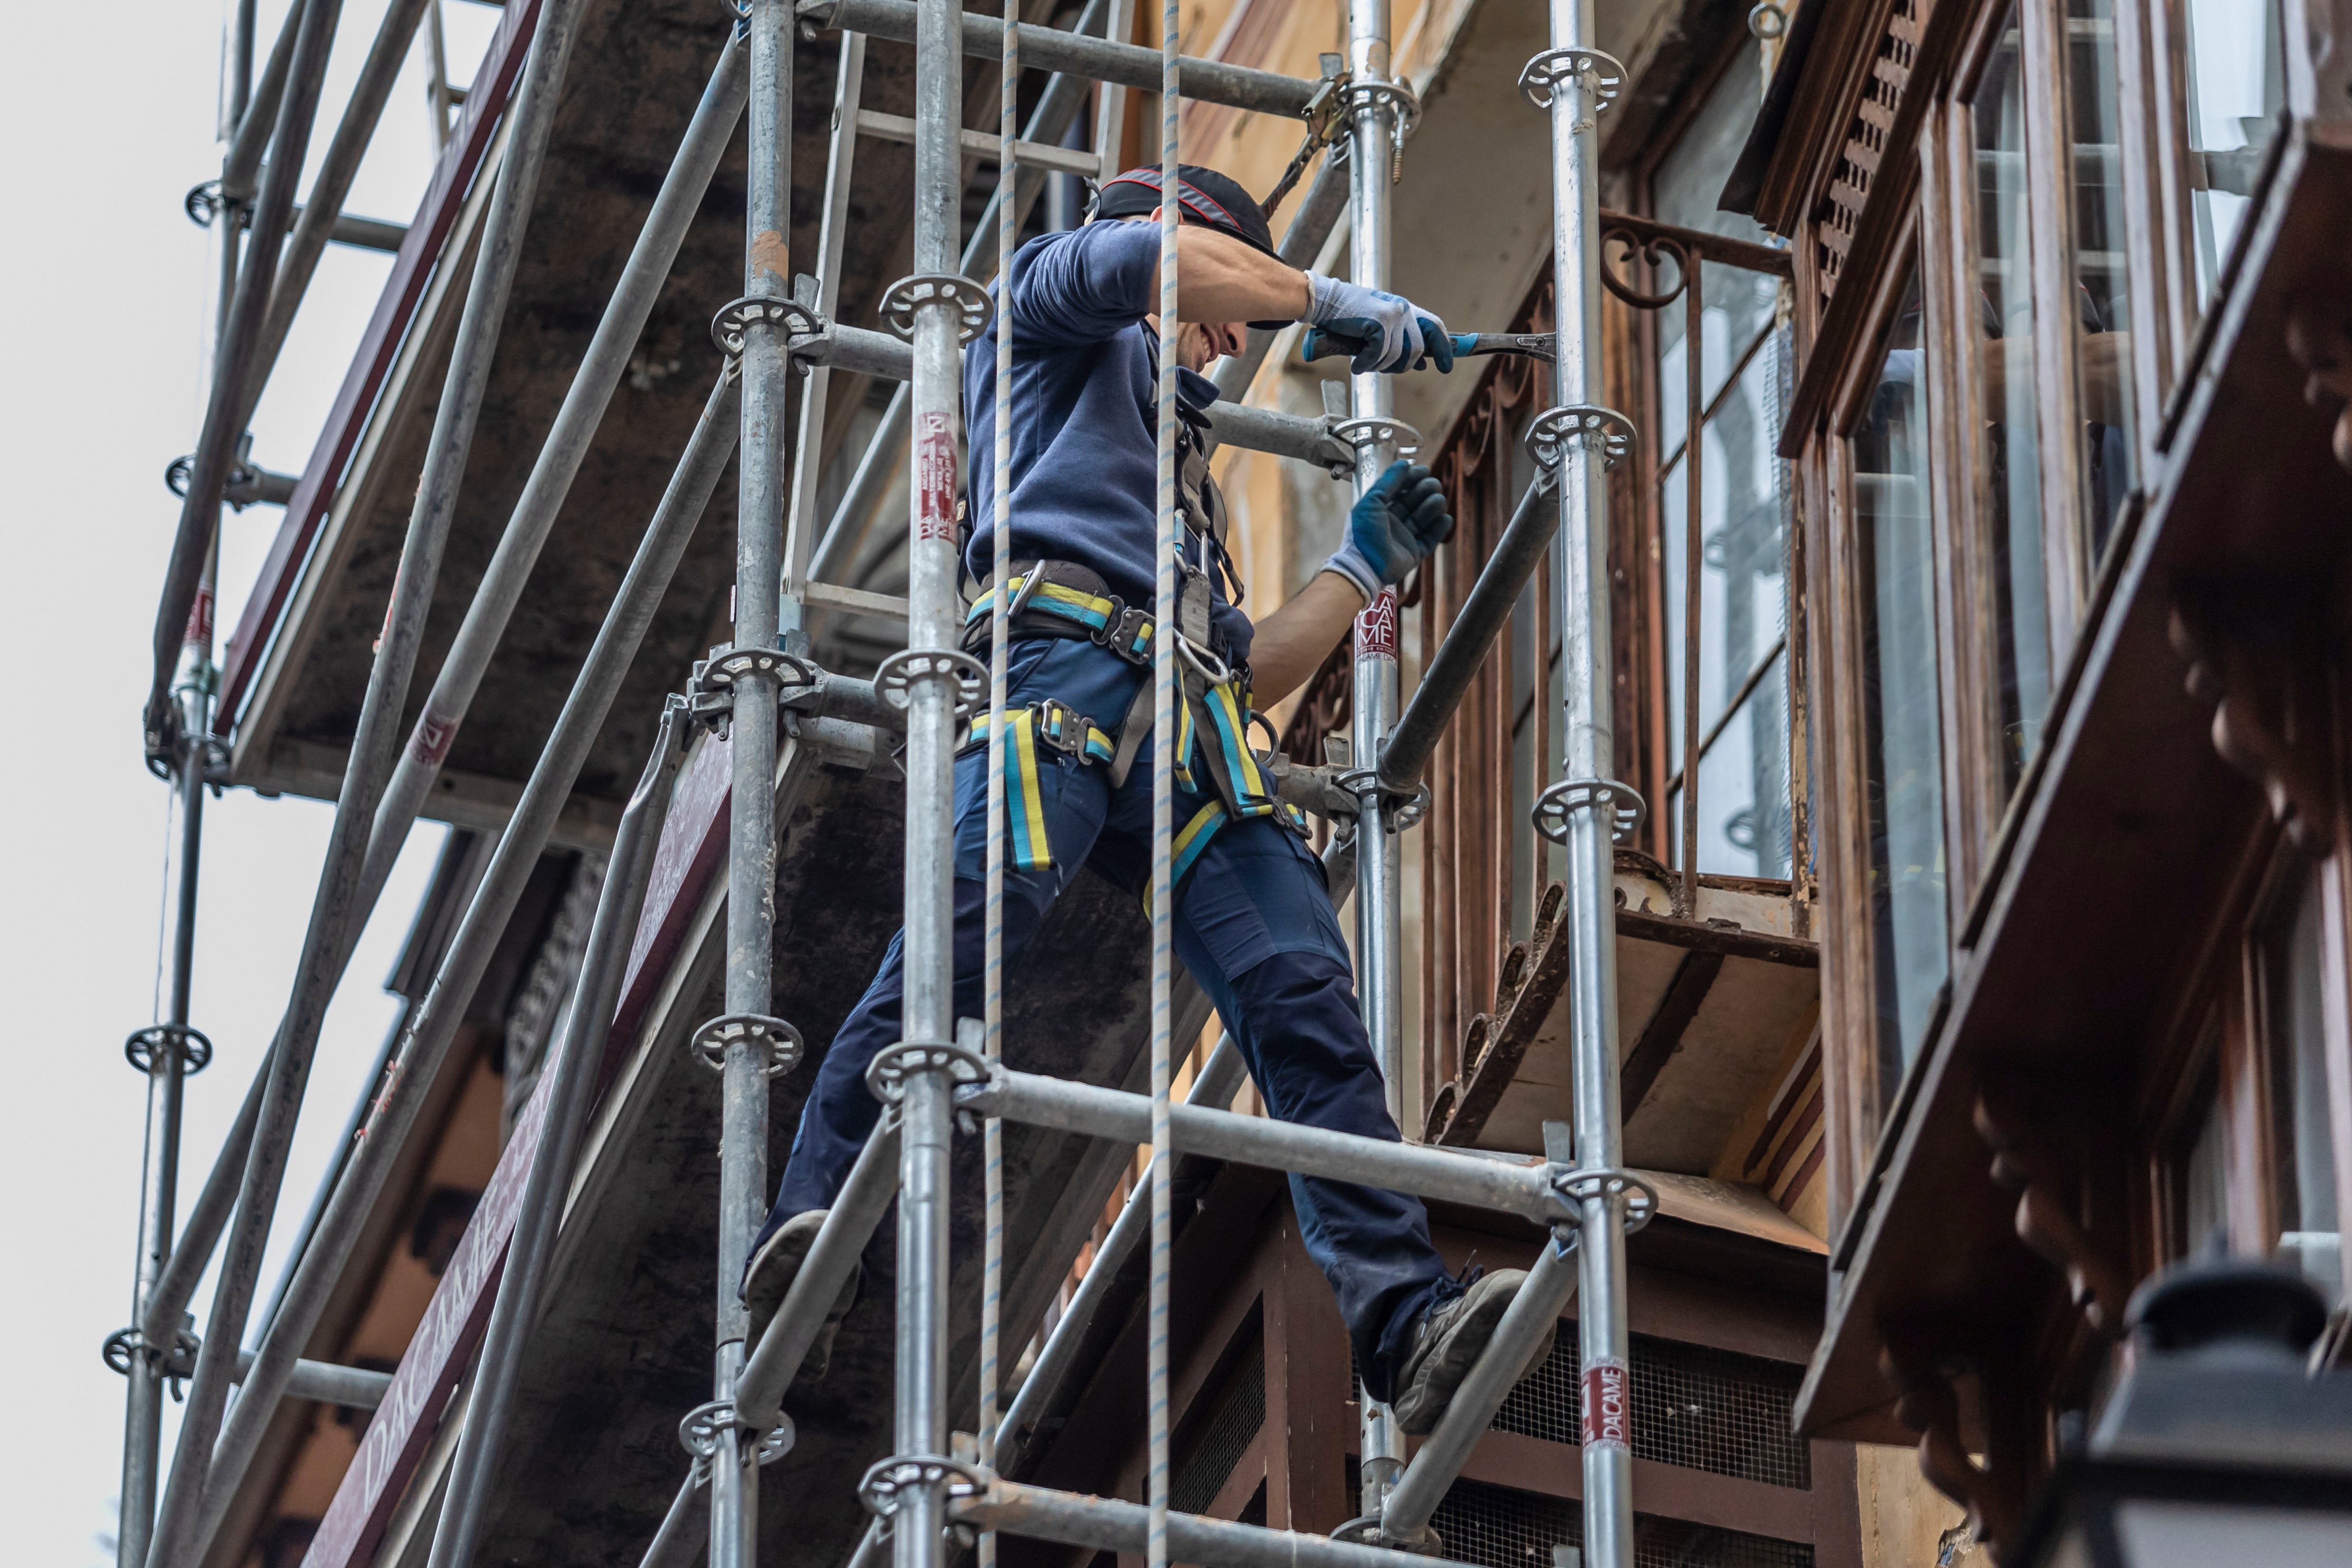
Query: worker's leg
point(841, 1113)
point(1254, 927)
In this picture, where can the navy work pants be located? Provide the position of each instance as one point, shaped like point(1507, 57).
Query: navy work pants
point(1252, 925)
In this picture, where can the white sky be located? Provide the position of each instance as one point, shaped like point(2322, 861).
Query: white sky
point(105, 284)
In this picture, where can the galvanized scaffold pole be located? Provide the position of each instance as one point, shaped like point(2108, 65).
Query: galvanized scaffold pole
point(167, 1052)
point(747, 1043)
point(1586, 810)
point(1377, 109)
point(999, 636)
point(937, 683)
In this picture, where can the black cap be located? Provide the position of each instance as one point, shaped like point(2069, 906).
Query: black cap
point(1206, 196)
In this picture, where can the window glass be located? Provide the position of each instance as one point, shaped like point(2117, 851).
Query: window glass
point(1903, 748)
point(2236, 73)
point(1743, 626)
point(2302, 1146)
point(1737, 304)
point(2008, 452)
point(2205, 1182)
point(2100, 303)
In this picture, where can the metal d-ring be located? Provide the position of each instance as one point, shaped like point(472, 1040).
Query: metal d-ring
point(735, 319)
point(897, 676)
point(1641, 1198)
point(698, 1432)
point(1204, 664)
point(1623, 801)
point(904, 299)
point(885, 1075)
point(1549, 432)
point(782, 1042)
point(891, 1478)
point(1377, 429)
point(1542, 75)
point(194, 1050)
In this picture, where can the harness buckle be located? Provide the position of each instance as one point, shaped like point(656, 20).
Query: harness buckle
point(1120, 631)
point(1062, 727)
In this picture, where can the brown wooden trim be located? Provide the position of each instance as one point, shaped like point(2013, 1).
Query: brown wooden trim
point(1670, 1491)
point(1661, 1036)
point(1813, 136)
point(1880, 233)
point(1731, 942)
point(2049, 189)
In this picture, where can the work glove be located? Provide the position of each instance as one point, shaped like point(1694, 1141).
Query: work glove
point(1378, 329)
point(1391, 528)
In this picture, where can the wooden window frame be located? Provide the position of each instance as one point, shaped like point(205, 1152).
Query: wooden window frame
point(1858, 1105)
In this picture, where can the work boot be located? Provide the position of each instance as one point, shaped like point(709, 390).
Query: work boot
point(766, 1283)
point(1448, 1344)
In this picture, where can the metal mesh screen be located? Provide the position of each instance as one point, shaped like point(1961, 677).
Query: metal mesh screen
point(1704, 1409)
point(1497, 1526)
point(1224, 1438)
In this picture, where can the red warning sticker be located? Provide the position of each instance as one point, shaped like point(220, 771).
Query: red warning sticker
point(200, 619)
point(1376, 626)
point(935, 478)
point(434, 733)
point(1607, 1406)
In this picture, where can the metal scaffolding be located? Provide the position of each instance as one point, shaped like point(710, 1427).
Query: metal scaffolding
point(781, 330)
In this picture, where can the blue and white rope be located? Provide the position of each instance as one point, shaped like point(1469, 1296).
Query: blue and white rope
point(992, 1286)
point(1163, 801)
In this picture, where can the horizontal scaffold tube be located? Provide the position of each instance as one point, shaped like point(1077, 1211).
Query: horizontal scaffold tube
point(1467, 641)
point(353, 1386)
point(878, 355)
point(1221, 1076)
point(1108, 1524)
point(1442, 1174)
point(1052, 49)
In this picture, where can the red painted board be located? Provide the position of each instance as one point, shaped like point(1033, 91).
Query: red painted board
point(379, 347)
point(693, 846)
point(454, 1323)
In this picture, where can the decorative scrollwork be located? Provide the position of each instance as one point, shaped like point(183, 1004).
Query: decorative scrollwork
point(2024, 1163)
point(2266, 723)
point(1930, 1406)
point(1651, 249)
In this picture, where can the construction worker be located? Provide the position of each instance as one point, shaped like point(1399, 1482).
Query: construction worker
point(1252, 921)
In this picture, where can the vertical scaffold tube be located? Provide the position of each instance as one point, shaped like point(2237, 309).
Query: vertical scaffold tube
point(1586, 813)
point(1164, 694)
point(752, 841)
point(1000, 631)
point(1379, 864)
point(168, 1058)
point(931, 673)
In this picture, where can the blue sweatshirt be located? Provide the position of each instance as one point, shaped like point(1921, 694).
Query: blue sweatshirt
point(1085, 443)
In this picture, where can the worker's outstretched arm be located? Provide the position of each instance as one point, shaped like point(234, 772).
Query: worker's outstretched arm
point(1391, 528)
point(1221, 279)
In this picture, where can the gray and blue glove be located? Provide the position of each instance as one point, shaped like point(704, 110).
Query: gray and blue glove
point(1391, 528)
point(1378, 329)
